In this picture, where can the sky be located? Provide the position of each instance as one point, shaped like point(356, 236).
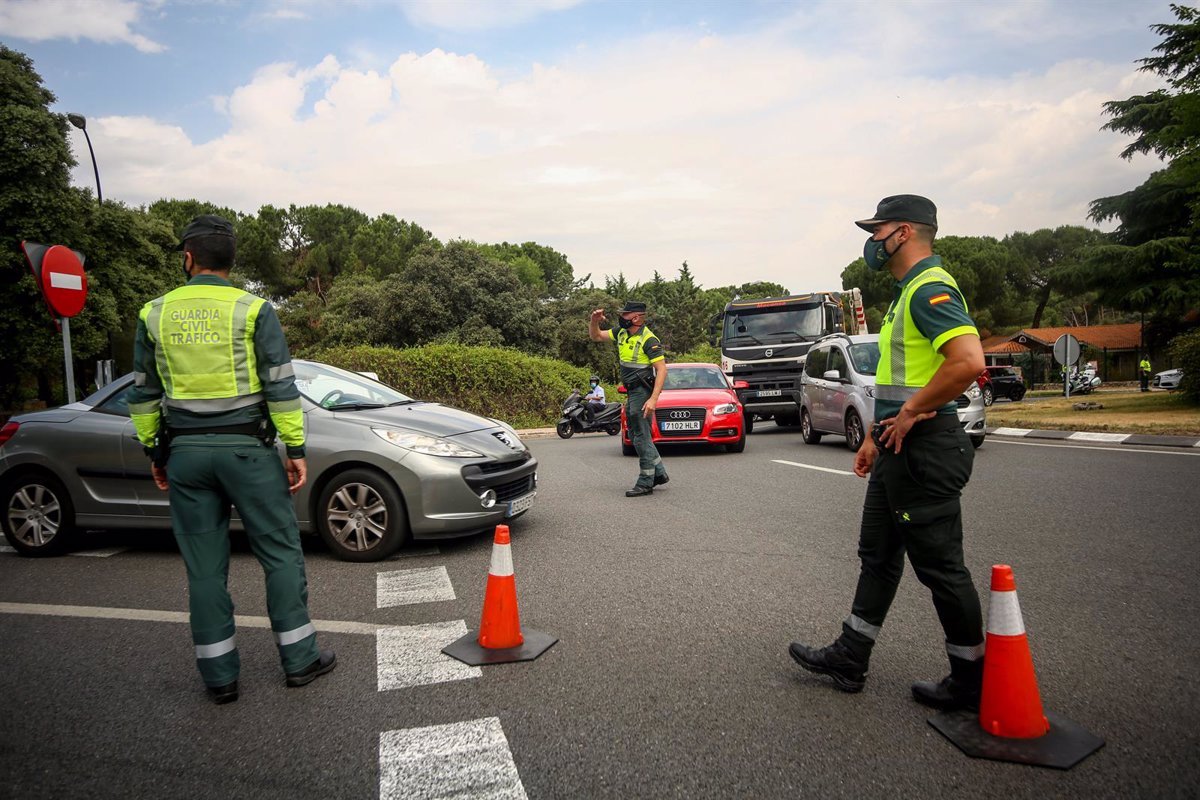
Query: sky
point(741, 137)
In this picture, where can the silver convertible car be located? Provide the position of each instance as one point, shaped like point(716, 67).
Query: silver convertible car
point(382, 468)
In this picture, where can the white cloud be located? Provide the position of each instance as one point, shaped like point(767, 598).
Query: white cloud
point(746, 156)
point(106, 21)
point(475, 15)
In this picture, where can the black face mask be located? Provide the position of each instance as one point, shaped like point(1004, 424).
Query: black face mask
point(625, 323)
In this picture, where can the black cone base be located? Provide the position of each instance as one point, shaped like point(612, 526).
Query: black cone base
point(1064, 746)
point(468, 651)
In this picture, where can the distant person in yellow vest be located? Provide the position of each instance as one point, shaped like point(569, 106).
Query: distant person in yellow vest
point(1144, 373)
point(213, 383)
point(918, 459)
point(643, 372)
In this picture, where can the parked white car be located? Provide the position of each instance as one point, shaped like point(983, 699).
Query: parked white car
point(1168, 380)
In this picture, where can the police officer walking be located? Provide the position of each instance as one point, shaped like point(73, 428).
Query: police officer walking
point(1144, 373)
point(213, 382)
point(919, 459)
point(643, 371)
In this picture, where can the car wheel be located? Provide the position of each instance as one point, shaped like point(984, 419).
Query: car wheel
point(738, 446)
point(977, 442)
point(854, 431)
point(989, 395)
point(748, 421)
point(38, 516)
point(613, 430)
point(628, 449)
point(1018, 393)
point(807, 431)
point(564, 430)
point(361, 516)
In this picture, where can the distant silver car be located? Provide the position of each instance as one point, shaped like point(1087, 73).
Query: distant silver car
point(1168, 380)
point(382, 468)
point(837, 392)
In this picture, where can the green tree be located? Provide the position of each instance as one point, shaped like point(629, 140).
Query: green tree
point(1152, 263)
point(1051, 261)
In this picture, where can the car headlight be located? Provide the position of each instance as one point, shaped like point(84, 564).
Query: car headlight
point(516, 437)
point(973, 391)
point(725, 408)
point(428, 445)
point(869, 391)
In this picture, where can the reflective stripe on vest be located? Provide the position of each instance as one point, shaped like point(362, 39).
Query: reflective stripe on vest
point(204, 347)
point(907, 360)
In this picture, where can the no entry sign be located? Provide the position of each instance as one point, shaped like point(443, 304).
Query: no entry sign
point(60, 276)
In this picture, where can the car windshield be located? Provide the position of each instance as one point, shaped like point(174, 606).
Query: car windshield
point(773, 324)
point(333, 388)
point(865, 357)
point(695, 378)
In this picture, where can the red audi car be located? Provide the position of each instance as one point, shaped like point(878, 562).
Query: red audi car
point(698, 404)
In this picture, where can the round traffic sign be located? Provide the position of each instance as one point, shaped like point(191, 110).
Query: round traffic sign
point(64, 283)
point(1066, 349)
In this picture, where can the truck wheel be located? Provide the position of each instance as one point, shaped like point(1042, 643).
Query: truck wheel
point(854, 431)
point(748, 420)
point(806, 429)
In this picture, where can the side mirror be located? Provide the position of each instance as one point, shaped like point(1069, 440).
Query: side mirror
point(741, 384)
point(621, 389)
point(832, 375)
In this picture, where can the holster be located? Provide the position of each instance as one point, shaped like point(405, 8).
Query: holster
point(161, 451)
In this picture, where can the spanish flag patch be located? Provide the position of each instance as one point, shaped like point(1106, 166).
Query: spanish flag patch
point(941, 298)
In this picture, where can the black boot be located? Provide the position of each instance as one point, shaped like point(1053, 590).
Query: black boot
point(325, 662)
point(958, 690)
point(223, 694)
point(640, 491)
point(849, 672)
point(659, 480)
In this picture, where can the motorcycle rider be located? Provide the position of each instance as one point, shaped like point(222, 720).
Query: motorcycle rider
point(595, 398)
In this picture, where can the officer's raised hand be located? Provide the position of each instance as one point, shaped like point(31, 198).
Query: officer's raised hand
point(597, 315)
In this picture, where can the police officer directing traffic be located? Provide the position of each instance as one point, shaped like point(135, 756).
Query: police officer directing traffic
point(213, 382)
point(919, 459)
point(643, 371)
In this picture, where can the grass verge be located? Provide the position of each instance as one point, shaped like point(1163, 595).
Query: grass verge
point(1124, 412)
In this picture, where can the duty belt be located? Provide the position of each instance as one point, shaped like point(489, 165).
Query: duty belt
point(942, 422)
point(244, 429)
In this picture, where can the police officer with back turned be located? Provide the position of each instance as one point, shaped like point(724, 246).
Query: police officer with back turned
point(213, 382)
point(643, 371)
point(918, 458)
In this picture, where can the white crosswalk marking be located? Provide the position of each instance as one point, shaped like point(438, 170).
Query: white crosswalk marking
point(412, 655)
point(460, 760)
point(408, 586)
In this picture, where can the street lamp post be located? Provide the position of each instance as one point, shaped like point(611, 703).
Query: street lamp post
point(80, 121)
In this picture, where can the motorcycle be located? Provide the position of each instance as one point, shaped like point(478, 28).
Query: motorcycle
point(1083, 381)
point(578, 418)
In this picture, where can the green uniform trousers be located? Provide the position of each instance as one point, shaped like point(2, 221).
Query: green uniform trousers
point(208, 473)
point(649, 461)
point(912, 506)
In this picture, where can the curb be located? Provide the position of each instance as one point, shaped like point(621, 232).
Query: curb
point(536, 433)
point(1096, 436)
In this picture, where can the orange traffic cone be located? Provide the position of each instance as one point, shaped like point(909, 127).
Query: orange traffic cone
point(1011, 725)
point(499, 639)
point(500, 625)
point(1011, 705)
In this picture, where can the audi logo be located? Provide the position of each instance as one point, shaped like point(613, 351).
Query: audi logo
point(680, 414)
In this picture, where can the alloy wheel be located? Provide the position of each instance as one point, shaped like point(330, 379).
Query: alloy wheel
point(34, 515)
point(357, 516)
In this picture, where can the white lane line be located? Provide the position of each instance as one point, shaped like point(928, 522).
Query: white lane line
point(412, 655)
point(810, 466)
point(1087, 447)
point(1011, 431)
point(103, 552)
point(410, 586)
point(461, 760)
point(1091, 436)
point(149, 615)
point(423, 553)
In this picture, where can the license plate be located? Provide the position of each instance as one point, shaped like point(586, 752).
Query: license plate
point(523, 503)
point(681, 425)
point(771, 393)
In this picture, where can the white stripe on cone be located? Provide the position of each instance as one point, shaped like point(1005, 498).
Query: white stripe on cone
point(1004, 615)
point(502, 565)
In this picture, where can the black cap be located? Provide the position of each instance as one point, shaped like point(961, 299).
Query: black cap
point(206, 225)
point(633, 307)
point(902, 208)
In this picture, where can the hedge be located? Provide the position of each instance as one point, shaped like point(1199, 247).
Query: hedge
point(1185, 354)
point(523, 390)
